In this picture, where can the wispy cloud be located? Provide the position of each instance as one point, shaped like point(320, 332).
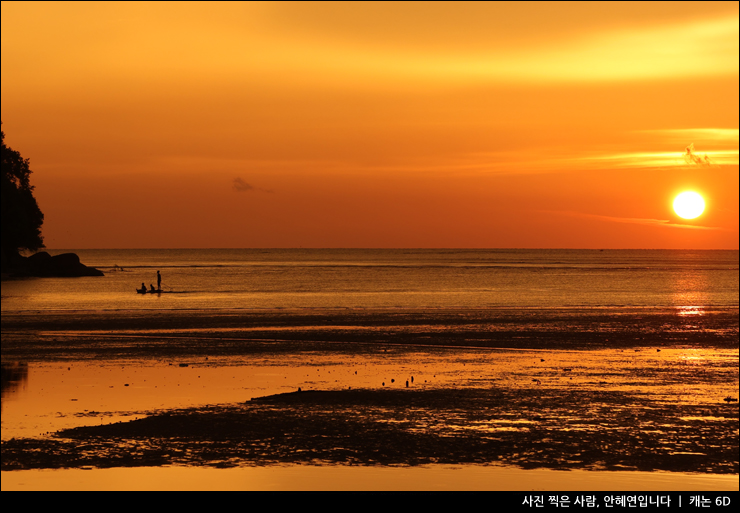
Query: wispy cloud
point(242, 186)
point(721, 136)
point(632, 220)
point(722, 144)
point(663, 159)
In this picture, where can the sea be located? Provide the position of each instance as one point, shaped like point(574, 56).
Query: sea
point(249, 279)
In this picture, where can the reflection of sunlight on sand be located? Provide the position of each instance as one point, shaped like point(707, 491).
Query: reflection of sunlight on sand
point(692, 356)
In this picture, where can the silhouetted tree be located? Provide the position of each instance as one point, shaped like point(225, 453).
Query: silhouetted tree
point(21, 216)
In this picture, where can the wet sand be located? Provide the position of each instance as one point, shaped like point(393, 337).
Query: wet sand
point(526, 428)
point(632, 390)
point(49, 335)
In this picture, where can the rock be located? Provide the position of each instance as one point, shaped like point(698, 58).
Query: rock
point(66, 260)
point(68, 264)
point(42, 264)
point(40, 258)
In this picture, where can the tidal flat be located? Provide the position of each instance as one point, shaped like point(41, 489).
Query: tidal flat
point(650, 391)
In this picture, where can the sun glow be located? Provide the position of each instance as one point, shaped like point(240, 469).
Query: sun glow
point(689, 205)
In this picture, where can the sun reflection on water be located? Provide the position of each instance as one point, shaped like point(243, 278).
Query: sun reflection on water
point(690, 293)
point(690, 310)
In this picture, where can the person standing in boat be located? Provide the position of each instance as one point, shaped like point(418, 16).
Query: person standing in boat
point(159, 281)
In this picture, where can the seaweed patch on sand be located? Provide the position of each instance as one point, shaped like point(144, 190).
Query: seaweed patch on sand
point(528, 428)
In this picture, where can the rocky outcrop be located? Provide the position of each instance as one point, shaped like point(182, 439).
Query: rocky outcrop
point(43, 264)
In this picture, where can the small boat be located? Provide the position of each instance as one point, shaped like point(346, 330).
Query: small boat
point(148, 291)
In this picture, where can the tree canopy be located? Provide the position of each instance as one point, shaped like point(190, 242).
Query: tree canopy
point(21, 216)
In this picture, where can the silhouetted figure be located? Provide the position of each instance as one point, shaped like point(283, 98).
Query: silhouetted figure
point(159, 281)
point(151, 288)
point(143, 287)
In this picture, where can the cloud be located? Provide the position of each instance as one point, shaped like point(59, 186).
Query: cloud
point(692, 158)
point(721, 136)
point(242, 186)
point(633, 220)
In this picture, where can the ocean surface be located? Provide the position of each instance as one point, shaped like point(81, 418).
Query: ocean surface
point(226, 279)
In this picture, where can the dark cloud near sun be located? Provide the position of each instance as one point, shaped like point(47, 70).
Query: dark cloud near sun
point(242, 186)
point(692, 158)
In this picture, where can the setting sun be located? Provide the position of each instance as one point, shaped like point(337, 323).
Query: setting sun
point(689, 205)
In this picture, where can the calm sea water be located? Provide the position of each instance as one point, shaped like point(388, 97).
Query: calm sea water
point(381, 278)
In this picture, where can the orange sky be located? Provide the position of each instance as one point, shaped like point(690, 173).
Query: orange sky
point(375, 124)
